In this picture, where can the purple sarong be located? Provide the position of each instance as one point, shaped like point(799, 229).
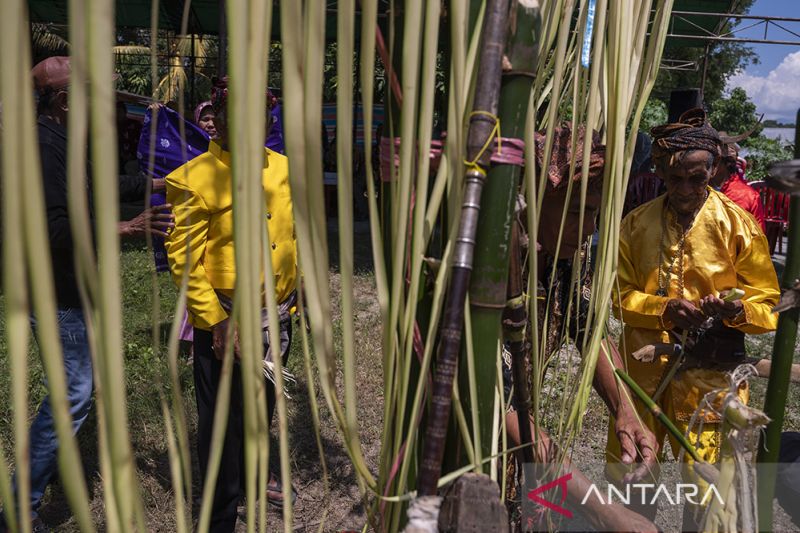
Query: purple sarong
point(170, 153)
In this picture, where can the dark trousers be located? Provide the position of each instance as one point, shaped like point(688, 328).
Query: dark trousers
point(230, 480)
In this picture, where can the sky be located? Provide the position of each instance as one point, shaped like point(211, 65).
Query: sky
point(773, 84)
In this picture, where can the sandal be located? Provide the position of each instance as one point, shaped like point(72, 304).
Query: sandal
point(275, 492)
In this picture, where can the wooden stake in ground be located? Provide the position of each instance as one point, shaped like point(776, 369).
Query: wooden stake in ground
point(483, 125)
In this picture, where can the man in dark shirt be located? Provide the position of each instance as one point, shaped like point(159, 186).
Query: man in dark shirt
point(51, 80)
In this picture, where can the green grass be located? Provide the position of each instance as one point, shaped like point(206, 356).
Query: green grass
point(146, 374)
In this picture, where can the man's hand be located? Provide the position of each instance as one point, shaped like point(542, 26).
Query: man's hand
point(159, 184)
point(219, 333)
point(637, 444)
point(713, 306)
point(683, 314)
point(159, 218)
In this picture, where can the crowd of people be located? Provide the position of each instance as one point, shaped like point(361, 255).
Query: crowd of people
point(693, 231)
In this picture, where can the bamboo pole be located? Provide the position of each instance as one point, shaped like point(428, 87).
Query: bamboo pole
point(487, 292)
point(780, 374)
point(482, 128)
point(515, 318)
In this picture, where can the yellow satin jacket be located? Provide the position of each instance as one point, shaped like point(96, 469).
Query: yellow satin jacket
point(201, 197)
point(724, 248)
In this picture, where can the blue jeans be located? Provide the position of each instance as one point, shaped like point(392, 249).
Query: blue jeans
point(78, 370)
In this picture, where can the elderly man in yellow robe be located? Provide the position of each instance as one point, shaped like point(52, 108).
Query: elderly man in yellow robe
point(679, 255)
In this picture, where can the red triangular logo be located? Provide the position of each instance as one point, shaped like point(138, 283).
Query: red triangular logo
point(535, 497)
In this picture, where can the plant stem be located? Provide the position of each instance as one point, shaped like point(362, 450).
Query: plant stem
point(780, 373)
point(515, 317)
point(655, 410)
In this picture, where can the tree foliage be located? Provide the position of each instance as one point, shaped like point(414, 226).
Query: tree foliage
point(737, 114)
point(761, 153)
point(724, 60)
point(654, 114)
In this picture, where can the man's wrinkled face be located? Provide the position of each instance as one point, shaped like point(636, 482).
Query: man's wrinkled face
point(686, 180)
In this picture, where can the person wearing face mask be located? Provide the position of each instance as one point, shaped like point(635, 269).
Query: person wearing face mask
point(201, 191)
point(678, 256)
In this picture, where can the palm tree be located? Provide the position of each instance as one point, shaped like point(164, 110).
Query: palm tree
point(182, 59)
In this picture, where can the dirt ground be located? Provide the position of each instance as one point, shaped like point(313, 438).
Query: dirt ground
point(337, 507)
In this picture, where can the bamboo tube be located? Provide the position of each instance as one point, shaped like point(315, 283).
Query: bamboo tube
point(480, 134)
point(782, 355)
point(488, 286)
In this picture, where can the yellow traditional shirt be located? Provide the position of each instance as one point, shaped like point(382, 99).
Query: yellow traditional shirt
point(201, 198)
point(723, 249)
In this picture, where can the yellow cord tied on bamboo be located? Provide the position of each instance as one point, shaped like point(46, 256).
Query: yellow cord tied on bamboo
point(494, 134)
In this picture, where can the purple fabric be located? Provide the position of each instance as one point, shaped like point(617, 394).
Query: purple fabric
point(275, 139)
point(169, 155)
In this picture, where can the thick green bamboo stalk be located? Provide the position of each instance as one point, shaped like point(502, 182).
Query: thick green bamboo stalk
point(489, 283)
point(482, 128)
point(782, 356)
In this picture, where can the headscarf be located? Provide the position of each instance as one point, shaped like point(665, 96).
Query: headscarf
point(198, 111)
point(691, 132)
point(561, 156)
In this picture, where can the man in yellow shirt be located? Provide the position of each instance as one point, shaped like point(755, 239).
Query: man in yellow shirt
point(678, 254)
point(202, 244)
